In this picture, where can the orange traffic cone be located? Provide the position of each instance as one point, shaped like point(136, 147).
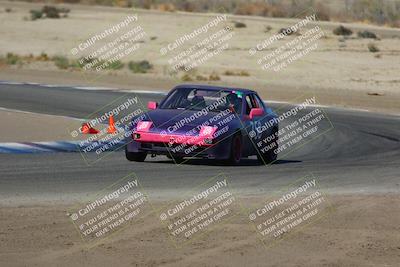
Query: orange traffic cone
point(111, 128)
point(87, 129)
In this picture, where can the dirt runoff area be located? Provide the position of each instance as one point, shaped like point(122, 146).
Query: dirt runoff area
point(19, 126)
point(360, 230)
point(339, 71)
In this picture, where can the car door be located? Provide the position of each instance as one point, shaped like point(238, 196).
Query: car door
point(254, 130)
point(250, 101)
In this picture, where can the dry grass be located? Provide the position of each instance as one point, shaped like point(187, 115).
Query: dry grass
point(236, 73)
point(370, 11)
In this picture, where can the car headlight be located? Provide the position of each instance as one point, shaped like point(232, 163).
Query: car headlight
point(207, 131)
point(143, 126)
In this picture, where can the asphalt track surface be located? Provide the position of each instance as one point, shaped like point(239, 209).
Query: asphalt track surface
point(361, 154)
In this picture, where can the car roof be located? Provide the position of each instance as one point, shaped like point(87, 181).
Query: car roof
point(213, 88)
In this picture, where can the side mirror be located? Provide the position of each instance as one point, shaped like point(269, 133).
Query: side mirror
point(152, 105)
point(256, 112)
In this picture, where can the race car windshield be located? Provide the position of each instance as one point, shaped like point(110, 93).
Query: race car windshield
point(198, 99)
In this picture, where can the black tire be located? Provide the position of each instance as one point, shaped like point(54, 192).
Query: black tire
point(235, 154)
point(270, 156)
point(135, 156)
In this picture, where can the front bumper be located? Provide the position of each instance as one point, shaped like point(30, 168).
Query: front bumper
point(178, 146)
point(171, 139)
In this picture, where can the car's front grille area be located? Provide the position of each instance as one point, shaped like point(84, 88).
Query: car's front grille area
point(147, 145)
point(175, 148)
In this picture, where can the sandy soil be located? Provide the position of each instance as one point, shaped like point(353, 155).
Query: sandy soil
point(386, 103)
point(30, 127)
point(19, 126)
point(339, 72)
point(361, 231)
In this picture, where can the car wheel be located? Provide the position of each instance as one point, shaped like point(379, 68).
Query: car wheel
point(135, 156)
point(236, 149)
point(270, 156)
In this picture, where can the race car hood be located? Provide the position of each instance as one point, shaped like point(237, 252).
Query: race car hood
point(182, 121)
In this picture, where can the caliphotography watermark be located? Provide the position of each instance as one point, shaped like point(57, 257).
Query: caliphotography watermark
point(278, 51)
point(111, 210)
point(195, 48)
point(201, 128)
point(289, 130)
point(199, 212)
point(106, 49)
point(290, 210)
point(109, 128)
